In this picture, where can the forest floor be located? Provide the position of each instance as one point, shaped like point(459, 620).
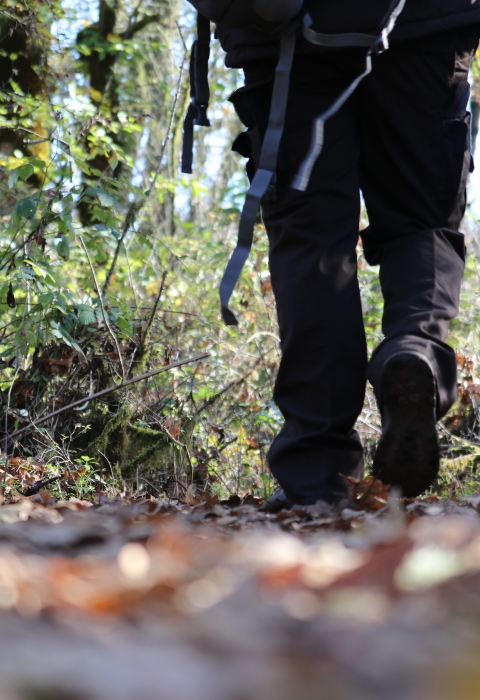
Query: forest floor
point(133, 597)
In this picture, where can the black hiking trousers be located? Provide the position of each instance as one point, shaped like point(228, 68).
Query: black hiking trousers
point(403, 139)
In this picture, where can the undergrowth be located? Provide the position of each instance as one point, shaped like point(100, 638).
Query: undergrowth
point(110, 262)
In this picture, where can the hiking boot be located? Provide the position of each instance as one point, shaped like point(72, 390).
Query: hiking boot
point(277, 502)
point(408, 454)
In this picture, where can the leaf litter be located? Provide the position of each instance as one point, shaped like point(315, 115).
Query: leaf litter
point(138, 597)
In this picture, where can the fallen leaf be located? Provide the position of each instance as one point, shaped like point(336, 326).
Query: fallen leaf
point(368, 493)
point(172, 427)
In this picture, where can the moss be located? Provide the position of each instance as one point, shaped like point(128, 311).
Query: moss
point(112, 440)
point(132, 447)
point(140, 459)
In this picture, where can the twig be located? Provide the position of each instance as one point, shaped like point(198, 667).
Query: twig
point(105, 319)
point(181, 37)
point(148, 327)
point(138, 26)
point(220, 393)
point(109, 390)
point(226, 444)
point(10, 16)
point(136, 207)
point(155, 306)
point(375, 428)
point(130, 219)
point(11, 253)
point(51, 137)
point(142, 478)
point(181, 445)
point(109, 463)
point(85, 405)
point(462, 441)
point(7, 410)
point(176, 481)
point(9, 396)
point(37, 485)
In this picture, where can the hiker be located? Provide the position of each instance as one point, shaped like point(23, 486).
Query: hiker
point(402, 138)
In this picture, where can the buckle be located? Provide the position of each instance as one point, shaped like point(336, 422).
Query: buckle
point(201, 118)
point(382, 43)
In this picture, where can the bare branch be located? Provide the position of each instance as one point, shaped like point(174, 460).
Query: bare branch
point(138, 26)
point(109, 390)
point(105, 319)
point(136, 207)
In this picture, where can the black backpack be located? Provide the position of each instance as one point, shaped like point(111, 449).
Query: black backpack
point(286, 18)
point(243, 13)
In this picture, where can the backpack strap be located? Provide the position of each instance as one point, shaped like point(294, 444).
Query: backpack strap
point(302, 178)
point(264, 176)
point(390, 19)
point(199, 90)
point(336, 41)
point(378, 45)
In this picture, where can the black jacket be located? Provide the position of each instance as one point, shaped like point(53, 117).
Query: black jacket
point(419, 18)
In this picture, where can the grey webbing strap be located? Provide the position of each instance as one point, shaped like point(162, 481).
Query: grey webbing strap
point(187, 145)
point(302, 178)
point(379, 44)
point(199, 90)
point(394, 12)
point(264, 176)
point(336, 41)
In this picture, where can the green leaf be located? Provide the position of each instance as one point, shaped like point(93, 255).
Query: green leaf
point(80, 163)
point(68, 221)
point(86, 314)
point(63, 247)
point(14, 175)
point(46, 299)
point(60, 332)
point(26, 208)
point(125, 326)
point(38, 270)
point(113, 161)
point(26, 272)
point(43, 270)
point(23, 172)
point(101, 254)
point(38, 164)
point(106, 199)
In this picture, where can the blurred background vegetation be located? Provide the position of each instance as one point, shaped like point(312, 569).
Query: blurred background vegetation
point(110, 262)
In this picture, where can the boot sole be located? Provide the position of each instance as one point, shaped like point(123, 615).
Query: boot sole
point(408, 454)
point(277, 502)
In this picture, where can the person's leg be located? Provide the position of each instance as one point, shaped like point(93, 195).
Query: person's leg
point(313, 236)
point(413, 170)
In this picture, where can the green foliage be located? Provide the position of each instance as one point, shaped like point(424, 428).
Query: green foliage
point(88, 161)
point(88, 167)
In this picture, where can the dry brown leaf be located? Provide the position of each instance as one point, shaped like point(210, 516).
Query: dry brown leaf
point(45, 496)
point(172, 427)
point(192, 497)
point(61, 364)
point(380, 568)
point(266, 286)
point(368, 493)
point(195, 497)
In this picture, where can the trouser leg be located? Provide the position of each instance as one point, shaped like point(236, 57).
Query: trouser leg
point(313, 236)
point(321, 379)
point(413, 170)
point(420, 277)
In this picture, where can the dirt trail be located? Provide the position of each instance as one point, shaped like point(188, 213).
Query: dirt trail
point(145, 599)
